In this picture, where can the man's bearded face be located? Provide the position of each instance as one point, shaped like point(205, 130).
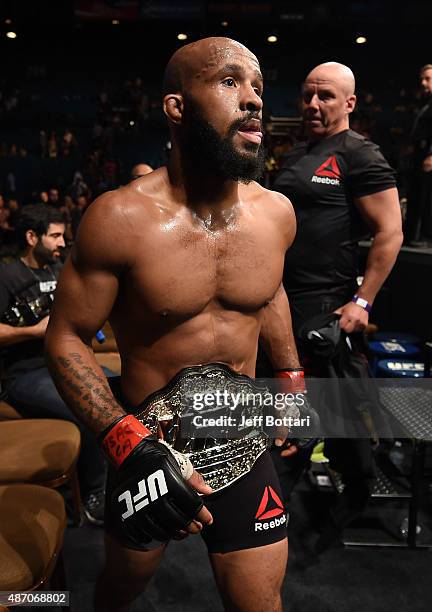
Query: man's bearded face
point(203, 146)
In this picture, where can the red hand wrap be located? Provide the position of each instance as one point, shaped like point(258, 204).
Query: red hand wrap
point(123, 437)
point(296, 378)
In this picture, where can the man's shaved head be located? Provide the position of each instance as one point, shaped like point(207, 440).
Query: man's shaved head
point(213, 102)
point(327, 100)
point(192, 61)
point(335, 73)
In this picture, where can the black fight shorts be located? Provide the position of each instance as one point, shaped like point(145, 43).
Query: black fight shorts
point(247, 514)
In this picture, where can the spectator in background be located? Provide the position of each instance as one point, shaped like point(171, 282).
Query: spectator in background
point(43, 197)
point(77, 213)
point(14, 208)
point(104, 110)
point(43, 143)
point(69, 144)
point(7, 221)
point(11, 182)
point(67, 210)
point(418, 227)
point(98, 135)
point(54, 197)
point(4, 215)
point(139, 101)
point(52, 145)
point(29, 278)
point(78, 187)
point(93, 170)
point(110, 171)
point(140, 170)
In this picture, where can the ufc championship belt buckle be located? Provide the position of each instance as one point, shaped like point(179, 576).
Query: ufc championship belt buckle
point(167, 413)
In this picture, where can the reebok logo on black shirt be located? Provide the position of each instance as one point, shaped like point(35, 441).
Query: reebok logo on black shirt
point(328, 173)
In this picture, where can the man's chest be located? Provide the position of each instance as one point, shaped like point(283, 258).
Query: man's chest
point(185, 271)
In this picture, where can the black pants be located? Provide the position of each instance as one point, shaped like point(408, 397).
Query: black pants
point(418, 225)
point(352, 458)
point(35, 396)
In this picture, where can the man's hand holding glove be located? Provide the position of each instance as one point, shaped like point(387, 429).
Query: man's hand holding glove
point(154, 495)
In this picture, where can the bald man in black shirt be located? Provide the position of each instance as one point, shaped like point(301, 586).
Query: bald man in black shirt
point(342, 189)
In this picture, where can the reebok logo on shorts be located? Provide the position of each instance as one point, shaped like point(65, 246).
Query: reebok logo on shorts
point(270, 513)
point(328, 173)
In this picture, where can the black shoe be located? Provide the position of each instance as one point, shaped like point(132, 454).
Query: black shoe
point(94, 507)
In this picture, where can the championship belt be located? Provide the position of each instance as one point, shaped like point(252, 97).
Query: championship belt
point(167, 413)
point(28, 311)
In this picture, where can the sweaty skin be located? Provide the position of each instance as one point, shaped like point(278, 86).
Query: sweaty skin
point(182, 265)
point(176, 293)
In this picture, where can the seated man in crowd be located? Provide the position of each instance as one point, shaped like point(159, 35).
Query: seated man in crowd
point(27, 285)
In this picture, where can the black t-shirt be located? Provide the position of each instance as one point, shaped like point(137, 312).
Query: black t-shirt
point(322, 180)
point(421, 133)
point(25, 298)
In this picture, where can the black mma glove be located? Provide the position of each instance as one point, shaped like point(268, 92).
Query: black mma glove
point(294, 383)
point(148, 496)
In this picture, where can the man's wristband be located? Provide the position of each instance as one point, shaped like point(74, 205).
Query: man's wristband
point(122, 437)
point(295, 376)
point(362, 303)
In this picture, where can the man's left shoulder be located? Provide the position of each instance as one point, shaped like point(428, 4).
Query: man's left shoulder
point(361, 152)
point(271, 207)
point(355, 136)
point(268, 200)
point(355, 142)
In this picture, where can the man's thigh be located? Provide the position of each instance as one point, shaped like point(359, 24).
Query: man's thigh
point(128, 567)
point(250, 580)
point(247, 541)
point(249, 513)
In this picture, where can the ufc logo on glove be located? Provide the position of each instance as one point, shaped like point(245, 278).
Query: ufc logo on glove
point(153, 487)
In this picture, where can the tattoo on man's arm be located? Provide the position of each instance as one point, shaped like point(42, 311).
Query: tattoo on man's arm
point(85, 391)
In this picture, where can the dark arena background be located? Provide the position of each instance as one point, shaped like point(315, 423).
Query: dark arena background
point(80, 105)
